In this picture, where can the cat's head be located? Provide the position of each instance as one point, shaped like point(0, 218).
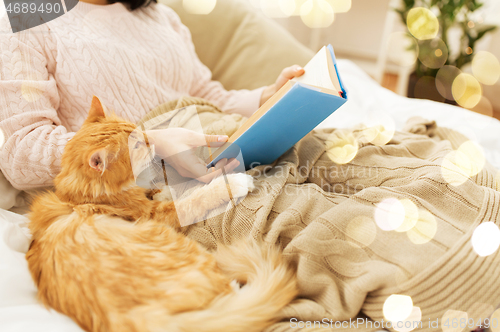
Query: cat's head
point(102, 156)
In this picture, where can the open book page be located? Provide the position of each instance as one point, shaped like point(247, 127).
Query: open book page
point(320, 72)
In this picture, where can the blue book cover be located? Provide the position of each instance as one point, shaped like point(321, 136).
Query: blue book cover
point(294, 111)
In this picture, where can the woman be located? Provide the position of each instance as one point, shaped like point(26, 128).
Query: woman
point(133, 54)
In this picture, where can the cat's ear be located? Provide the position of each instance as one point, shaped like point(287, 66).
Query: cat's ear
point(99, 160)
point(96, 111)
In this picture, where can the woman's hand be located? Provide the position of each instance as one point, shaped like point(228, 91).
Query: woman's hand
point(287, 74)
point(176, 146)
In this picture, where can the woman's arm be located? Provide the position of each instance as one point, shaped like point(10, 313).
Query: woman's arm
point(244, 102)
point(34, 137)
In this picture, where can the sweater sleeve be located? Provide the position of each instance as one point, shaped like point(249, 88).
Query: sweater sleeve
point(34, 137)
point(244, 102)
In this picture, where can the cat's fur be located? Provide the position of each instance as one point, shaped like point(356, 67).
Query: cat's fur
point(113, 260)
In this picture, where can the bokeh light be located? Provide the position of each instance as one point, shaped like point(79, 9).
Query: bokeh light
point(451, 316)
point(486, 239)
point(475, 154)
point(361, 231)
point(410, 217)
point(495, 321)
point(466, 90)
point(486, 67)
point(402, 49)
point(32, 87)
point(397, 307)
point(277, 8)
point(467, 161)
point(316, 13)
point(389, 214)
point(422, 23)
point(481, 311)
point(255, 3)
point(411, 322)
point(2, 138)
point(379, 128)
point(483, 107)
point(340, 6)
point(2, 9)
point(444, 80)
point(200, 7)
point(341, 147)
point(298, 5)
point(425, 228)
point(453, 168)
point(433, 53)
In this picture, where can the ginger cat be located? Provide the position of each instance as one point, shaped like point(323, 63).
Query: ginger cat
point(113, 260)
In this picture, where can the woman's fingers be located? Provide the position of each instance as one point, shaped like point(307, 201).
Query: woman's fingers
point(198, 139)
point(293, 71)
point(217, 171)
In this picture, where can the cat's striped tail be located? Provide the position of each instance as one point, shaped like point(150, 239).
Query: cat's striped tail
point(270, 286)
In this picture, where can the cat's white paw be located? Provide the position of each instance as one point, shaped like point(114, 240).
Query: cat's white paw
point(240, 184)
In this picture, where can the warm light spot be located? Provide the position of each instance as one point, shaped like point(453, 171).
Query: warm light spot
point(410, 323)
point(316, 14)
point(2, 138)
point(397, 307)
point(2, 9)
point(255, 3)
point(475, 154)
point(199, 7)
point(340, 6)
point(277, 8)
point(433, 53)
point(32, 87)
point(389, 214)
point(467, 161)
point(444, 80)
point(495, 321)
point(471, 24)
point(486, 239)
point(298, 5)
point(425, 229)
point(341, 147)
point(469, 50)
point(483, 107)
point(422, 23)
point(451, 316)
point(466, 90)
point(482, 311)
point(411, 216)
point(486, 68)
point(454, 168)
point(402, 49)
point(361, 231)
point(379, 128)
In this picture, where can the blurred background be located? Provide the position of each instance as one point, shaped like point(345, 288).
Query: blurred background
point(443, 50)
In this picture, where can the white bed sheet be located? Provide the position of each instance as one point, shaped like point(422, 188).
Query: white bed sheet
point(19, 309)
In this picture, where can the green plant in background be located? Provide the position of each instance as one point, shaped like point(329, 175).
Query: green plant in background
point(430, 21)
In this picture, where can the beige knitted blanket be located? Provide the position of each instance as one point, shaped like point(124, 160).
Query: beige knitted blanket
point(335, 222)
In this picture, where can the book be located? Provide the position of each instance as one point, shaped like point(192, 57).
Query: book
point(290, 114)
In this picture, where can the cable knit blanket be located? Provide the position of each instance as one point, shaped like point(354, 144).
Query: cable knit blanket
point(397, 219)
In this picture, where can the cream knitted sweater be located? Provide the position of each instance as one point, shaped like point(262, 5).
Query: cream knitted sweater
point(133, 61)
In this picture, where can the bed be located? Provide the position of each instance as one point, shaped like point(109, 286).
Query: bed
point(19, 309)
